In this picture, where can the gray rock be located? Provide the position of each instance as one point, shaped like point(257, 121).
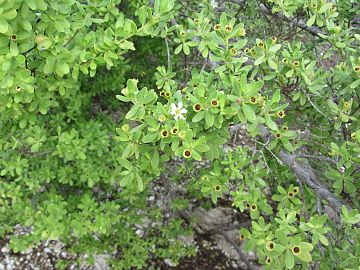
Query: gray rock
point(101, 261)
point(169, 262)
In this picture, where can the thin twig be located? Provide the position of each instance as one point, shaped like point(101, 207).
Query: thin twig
point(266, 164)
point(272, 153)
point(68, 42)
point(168, 54)
point(316, 108)
point(29, 50)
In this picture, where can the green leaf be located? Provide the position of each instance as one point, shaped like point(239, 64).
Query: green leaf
point(338, 185)
point(199, 116)
point(35, 147)
point(62, 68)
point(289, 73)
point(240, 44)
point(126, 45)
point(26, 25)
point(32, 4)
point(333, 106)
point(166, 5)
point(3, 172)
point(130, 27)
point(143, 11)
point(344, 211)
point(259, 60)
point(281, 190)
point(196, 155)
point(22, 123)
point(140, 182)
point(44, 44)
point(127, 179)
point(125, 163)
point(155, 159)
point(311, 21)
point(150, 137)
point(202, 148)
point(249, 113)
point(178, 49)
point(323, 240)
point(209, 119)
point(349, 187)
point(281, 236)
point(272, 64)
point(157, 6)
point(289, 260)
point(306, 246)
point(41, 5)
point(275, 48)
point(255, 87)
point(276, 97)
point(9, 14)
point(355, 84)
point(108, 59)
point(200, 141)
point(4, 26)
point(186, 48)
point(305, 256)
point(132, 85)
point(14, 50)
point(213, 197)
point(133, 113)
point(270, 123)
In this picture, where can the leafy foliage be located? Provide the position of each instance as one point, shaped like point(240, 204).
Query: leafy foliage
point(99, 98)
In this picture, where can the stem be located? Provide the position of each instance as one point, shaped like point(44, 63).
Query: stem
point(68, 42)
point(168, 54)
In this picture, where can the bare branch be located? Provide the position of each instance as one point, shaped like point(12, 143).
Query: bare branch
point(300, 23)
point(307, 175)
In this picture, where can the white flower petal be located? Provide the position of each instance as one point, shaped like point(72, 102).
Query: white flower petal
point(173, 108)
point(183, 110)
point(180, 105)
point(176, 117)
point(182, 117)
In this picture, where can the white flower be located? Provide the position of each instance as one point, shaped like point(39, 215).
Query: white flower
point(178, 111)
point(213, 3)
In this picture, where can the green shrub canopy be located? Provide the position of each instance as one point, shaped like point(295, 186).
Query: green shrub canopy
point(249, 104)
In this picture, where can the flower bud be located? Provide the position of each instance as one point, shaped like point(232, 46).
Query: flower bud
point(296, 250)
point(187, 153)
point(162, 118)
point(217, 188)
point(197, 107)
point(164, 133)
point(125, 127)
point(214, 103)
point(270, 245)
point(228, 28)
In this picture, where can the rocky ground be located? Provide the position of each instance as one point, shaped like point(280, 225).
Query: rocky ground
point(213, 253)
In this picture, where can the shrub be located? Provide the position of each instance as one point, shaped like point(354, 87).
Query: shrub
point(78, 165)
